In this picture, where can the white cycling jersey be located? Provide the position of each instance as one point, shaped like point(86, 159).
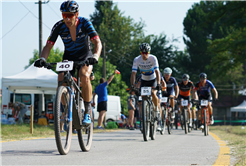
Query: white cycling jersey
point(147, 67)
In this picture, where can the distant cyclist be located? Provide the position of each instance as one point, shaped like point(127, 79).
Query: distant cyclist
point(76, 33)
point(185, 87)
point(205, 86)
point(172, 88)
point(149, 68)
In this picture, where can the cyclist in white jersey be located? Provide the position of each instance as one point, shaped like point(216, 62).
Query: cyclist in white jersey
point(149, 68)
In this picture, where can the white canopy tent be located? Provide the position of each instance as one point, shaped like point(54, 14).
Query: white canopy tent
point(239, 108)
point(32, 80)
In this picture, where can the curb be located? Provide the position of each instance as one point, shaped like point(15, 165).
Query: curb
point(224, 154)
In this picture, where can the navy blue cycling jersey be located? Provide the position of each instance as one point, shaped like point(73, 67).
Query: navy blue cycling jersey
point(79, 49)
point(171, 83)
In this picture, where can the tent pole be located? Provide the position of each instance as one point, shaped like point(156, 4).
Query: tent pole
point(43, 101)
point(14, 97)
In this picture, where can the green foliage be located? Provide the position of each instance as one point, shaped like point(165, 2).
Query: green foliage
point(54, 56)
point(198, 30)
point(117, 87)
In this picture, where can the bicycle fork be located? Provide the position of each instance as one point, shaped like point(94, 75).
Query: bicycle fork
point(70, 110)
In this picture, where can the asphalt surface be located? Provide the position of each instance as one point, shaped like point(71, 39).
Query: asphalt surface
point(122, 147)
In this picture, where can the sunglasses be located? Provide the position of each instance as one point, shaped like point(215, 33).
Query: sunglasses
point(68, 15)
point(145, 52)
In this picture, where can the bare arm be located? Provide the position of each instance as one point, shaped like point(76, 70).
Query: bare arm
point(133, 77)
point(176, 91)
point(111, 77)
point(158, 78)
point(194, 95)
point(93, 104)
point(46, 51)
point(98, 46)
point(215, 93)
point(164, 84)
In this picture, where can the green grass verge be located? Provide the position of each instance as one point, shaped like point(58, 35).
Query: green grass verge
point(22, 132)
point(235, 137)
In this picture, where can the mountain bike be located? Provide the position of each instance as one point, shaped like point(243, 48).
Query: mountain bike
point(205, 116)
point(69, 101)
point(166, 116)
point(185, 116)
point(149, 120)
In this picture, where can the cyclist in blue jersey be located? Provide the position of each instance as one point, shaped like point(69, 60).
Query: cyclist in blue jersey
point(172, 88)
point(76, 33)
point(205, 86)
point(149, 68)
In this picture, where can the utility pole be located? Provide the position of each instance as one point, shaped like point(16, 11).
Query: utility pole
point(104, 60)
point(40, 24)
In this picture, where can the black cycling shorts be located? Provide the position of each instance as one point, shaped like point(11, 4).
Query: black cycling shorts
point(102, 106)
point(184, 97)
point(209, 98)
point(151, 83)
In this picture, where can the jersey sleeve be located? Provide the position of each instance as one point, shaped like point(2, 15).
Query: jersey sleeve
point(211, 84)
point(54, 33)
point(196, 86)
point(90, 30)
point(155, 63)
point(175, 82)
point(135, 65)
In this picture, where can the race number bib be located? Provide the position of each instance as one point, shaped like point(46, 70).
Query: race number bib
point(64, 66)
point(164, 99)
point(184, 103)
point(204, 102)
point(140, 98)
point(145, 91)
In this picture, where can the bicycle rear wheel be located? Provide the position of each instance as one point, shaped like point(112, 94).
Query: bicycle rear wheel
point(163, 120)
point(85, 137)
point(63, 140)
point(169, 125)
point(153, 125)
point(145, 119)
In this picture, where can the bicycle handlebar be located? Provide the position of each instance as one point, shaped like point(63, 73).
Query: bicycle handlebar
point(76, 63)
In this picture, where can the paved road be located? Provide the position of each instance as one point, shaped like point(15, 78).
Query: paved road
point(123, 147)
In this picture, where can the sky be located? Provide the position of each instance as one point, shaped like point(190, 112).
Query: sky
point(19, 33)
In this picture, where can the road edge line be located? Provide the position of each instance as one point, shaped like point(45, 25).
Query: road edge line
point(224, 157)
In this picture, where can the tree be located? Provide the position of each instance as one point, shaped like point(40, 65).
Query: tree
point(54, 56)
point(198, 30)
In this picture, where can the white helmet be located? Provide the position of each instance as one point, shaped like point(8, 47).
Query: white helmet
point(167, 70)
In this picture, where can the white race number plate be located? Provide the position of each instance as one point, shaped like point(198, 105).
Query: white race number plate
point(204, 102)
point(64, 66)
point(145, 91)
point(140, 98)
point(184, 102)
point(164, 99)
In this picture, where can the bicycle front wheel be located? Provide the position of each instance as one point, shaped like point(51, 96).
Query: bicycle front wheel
point(163, 120)
point(63, 140)
point(153, 125)
point(85, 137)
point(185, 120)
point(145, 119)
point(205, 122)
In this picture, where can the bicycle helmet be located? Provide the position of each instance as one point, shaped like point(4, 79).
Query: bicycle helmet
point(69, 6)
point(145, 47)
point(186, 77)
point(203, 75)
point(167, 70)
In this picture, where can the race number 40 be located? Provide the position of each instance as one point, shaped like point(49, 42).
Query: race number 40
point(64, 66)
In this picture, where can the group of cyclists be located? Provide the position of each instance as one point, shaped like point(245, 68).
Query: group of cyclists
point(78, 32)
point(167, 86)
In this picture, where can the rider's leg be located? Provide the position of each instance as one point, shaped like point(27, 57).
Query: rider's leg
point(190, 116)
point(84, 74)
point(154, 98)
point(172, 103)
point(210, 109)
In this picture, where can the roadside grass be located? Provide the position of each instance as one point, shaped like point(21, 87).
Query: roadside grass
point(235, 137)
point(21, 132)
